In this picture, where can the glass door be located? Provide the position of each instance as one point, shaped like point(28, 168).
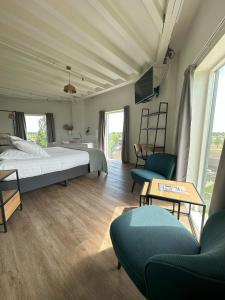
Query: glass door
point(114, 133)
point(216, 136)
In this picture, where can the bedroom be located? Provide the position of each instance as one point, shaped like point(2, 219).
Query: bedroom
point(59, 246)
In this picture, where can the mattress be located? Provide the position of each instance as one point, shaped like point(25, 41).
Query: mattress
point(60, 159)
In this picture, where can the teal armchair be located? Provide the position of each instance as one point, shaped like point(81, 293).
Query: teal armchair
point(157, 165)
point(164, 260)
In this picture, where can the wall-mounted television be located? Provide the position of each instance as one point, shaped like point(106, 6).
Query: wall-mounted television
point(144, 87)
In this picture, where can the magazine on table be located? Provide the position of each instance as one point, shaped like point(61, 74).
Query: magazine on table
point(170, 188)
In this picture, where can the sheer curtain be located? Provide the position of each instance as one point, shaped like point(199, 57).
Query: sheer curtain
point(20, 125)
point(125, 140)
point(184, 125)
point(101, 130)
point(50, 127)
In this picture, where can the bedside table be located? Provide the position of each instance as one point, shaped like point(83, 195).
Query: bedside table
point(9, 199)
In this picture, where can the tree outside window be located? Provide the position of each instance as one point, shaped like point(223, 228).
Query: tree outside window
point(36, 129)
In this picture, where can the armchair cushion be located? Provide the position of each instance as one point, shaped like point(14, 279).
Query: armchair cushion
point(144, 232)
point(142, 175)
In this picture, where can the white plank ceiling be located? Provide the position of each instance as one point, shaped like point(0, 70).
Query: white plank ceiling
point(107, 42)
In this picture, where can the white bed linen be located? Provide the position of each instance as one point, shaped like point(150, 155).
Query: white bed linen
point(60, 159)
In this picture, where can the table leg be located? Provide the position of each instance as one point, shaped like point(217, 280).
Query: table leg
point(140, 201)
point(189, 209)
point(178, 211)
point(203, 217)
point(173, 208)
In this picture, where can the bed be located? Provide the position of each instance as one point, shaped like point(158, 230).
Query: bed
point(61, 165)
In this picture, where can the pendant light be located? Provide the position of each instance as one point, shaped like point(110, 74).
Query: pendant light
point(69, 88)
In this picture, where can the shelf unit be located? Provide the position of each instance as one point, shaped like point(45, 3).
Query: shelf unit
point(9, 199)
point(146, 128)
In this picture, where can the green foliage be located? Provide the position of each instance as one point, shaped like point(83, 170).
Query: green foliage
point(39, 137)
point(217, 140)
point(114, 143)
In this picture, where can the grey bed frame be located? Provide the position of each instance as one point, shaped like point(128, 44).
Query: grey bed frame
point(36, 182)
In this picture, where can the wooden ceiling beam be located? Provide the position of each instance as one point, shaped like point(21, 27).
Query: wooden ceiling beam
point(171, 17)
point(56, 54)
point(83, 28)
point(32, 80)
point(21, 63)
point(70, 39)
point(156, 15)
point(112, 15)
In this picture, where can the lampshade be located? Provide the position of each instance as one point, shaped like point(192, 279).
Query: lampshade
point(69, 88)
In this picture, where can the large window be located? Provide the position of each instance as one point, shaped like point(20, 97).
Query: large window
point(216, 135)
point(36, 129)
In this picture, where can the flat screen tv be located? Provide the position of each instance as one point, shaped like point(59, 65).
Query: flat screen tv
point(144, 89)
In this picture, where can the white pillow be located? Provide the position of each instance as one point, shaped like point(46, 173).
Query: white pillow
point(30, 148)
point(15, 154)
point(14, 138)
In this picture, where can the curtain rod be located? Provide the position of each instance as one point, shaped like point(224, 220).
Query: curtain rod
point(214, 38)
point(12, 111)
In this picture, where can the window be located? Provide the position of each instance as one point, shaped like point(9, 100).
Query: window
point(36, 129)
point(216, 135)
point(114, 133)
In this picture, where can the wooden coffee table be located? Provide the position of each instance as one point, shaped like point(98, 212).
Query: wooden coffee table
point(161, 189)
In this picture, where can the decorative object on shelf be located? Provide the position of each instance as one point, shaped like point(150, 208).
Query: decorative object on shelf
point(9, 198)
point(69, 88)
point(69, 128)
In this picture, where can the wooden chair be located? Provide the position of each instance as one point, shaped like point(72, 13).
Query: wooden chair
point(139, 153)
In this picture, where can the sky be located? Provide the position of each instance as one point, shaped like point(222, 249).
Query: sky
point(32, 123)
point(115, 122)
point(219, 117)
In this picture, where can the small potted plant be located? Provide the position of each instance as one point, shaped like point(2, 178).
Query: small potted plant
point(69, 128)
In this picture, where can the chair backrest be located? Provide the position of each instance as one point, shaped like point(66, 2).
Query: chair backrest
point(137, 149)
point(162, 163)
point(198, 276)
point(213, 235)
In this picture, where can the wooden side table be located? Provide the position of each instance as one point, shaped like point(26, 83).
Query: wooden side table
point(9, 199)
point(187, 194)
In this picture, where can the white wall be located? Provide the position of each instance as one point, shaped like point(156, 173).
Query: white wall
point(61, 111)
point(117, 99)
point(209, 15)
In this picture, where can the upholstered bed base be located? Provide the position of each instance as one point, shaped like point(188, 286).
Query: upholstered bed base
point(36, 182)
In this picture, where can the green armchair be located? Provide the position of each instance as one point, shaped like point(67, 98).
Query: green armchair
point(157, 165)
point(165, 261)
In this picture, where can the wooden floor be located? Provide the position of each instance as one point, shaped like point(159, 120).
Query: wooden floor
point(58, 247)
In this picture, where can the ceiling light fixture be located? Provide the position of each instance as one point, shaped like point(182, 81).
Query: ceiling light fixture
point(69, 88)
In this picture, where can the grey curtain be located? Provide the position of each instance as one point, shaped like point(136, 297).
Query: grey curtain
point(50, 127)
point(184, 125)
point(20, 125)
point(125, 140)
point(218, 197)
point(101, 130)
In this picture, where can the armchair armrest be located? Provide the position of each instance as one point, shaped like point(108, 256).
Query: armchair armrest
point(176, 277)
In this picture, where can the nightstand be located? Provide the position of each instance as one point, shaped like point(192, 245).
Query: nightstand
point(9, 199)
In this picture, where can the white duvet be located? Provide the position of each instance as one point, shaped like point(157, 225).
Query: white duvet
point(60, 159)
